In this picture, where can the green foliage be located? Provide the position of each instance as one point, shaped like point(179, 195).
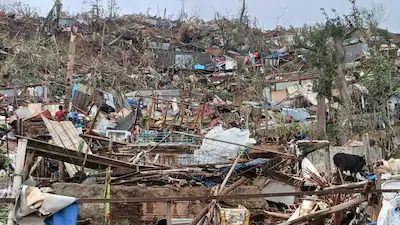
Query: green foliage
point(284, 132)
point(320, 56)
point(331, 132)
point(35, 61)
point(3, 215)
point(319, 43)
point(378, 80)
point(4, 160)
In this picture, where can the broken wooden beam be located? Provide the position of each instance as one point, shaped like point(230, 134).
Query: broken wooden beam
point(327, 211)
point(348, 186)
point(44, 149)
point(102, 139)
point(277, 215)
point(309, 146)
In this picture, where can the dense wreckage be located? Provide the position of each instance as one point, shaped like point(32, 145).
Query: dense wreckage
point(145, 149)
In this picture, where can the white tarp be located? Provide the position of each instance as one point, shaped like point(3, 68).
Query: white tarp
point(215, 151)
point(387, 200)
point(308, 167)
point(33, 206)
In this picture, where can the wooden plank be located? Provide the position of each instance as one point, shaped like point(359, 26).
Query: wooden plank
point(277, 215)
point(47, 150)
point(19, 165)
point(328, 168)
point(169, 213)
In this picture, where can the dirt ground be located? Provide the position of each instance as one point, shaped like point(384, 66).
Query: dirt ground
point(146, 213)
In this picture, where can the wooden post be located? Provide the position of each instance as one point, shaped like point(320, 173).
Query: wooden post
point(19, 165)
point(321, 116)
point(29, 158)
point(19, 169)
point(15, 98)
point(93, 122)
point(169, 213)
point(379, 187)
point(70, 70)
point(366, 149)
point(328, 171)
point(165, 117)
point(107, 189)
point(61, 170)
point(45, 97)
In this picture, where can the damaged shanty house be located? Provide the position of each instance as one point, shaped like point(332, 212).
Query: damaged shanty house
point(147, 120)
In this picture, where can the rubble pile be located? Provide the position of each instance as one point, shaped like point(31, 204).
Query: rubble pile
point(176, 122)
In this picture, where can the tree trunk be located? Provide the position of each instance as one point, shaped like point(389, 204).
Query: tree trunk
point(345, 112)
point(242, 11)
point(321, 117)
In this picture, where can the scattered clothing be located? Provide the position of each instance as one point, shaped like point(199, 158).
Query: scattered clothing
point(59, 115)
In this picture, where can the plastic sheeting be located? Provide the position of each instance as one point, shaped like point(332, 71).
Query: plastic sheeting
point(308, 167)
point(66, 216)
point(387, 200)
point(299, 114)
point(215, 151)
point(33, 206)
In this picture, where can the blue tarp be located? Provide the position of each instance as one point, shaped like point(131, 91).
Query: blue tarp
point(199, 67)
point(74, 89)
point(277, 55)
point(250, 164)
point(66, 216)
point(298, 114)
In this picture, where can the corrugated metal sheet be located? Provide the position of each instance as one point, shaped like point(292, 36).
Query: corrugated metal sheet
point(183, 60)
point(353, 52)
point(81, 100)
point(167, 94)
point(157, 45)
point(65, 135)
point(165, 59)
point(275, 187)
point(285, 85)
